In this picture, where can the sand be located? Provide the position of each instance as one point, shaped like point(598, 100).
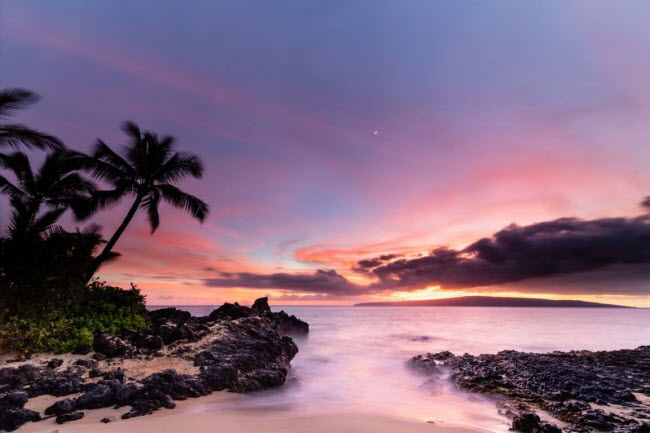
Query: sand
point(194, 415)
point(189, 417)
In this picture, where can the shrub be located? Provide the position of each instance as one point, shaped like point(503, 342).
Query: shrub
point(60, 325)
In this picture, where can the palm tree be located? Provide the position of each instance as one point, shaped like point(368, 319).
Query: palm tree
point(56, 185)
point(36, 255)
point(147, 173)
point(16, 135)
point(40, 260)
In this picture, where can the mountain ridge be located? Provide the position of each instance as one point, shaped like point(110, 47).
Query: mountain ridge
point(491, 301)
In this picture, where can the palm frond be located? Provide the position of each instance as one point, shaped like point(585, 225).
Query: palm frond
point(182, 200)
point(16, 99)
point(9, 188)
point(97, 168)
point(180, 166)
point(18, 136)
point(18, 163)
point(105, 153)
point(150, 205)
point(102, 199)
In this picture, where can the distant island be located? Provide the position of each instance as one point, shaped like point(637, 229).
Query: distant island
point(490, 301)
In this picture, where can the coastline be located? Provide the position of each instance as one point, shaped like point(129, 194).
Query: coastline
point(190, 415)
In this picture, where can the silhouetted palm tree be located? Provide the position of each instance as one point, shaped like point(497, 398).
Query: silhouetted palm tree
point(40, 260)
point(56, 185)
point(147, 173)
point(16, 135)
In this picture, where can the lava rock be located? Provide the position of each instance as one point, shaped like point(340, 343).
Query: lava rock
point(288, 325)
point(261, 307)
point(100, 395)
point(562, 383)
point(164, 315)
point(67, 417)
point(425, 364)
point(117, 374)
point(153, 343)
point(12, 418)
point(12, 412)
point(87, 363)
point(177, 386)
point(54, 363)
point(60, 407)
point(112, 346)
point(230, 312)
point(527, 422)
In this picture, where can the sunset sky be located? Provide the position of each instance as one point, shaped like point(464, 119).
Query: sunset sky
point(360, 151)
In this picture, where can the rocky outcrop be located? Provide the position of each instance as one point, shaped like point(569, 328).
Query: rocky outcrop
point(577, 387)
point(12, 412)
point(236, 348)
point(281, 321)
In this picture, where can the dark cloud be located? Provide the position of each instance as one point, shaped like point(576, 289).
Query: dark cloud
point(516, 253)
point(363, 266)
point(646, 202)
point(321, 281)
point(567, 255)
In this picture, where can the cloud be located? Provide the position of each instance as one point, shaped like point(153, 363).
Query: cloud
point(363, 266)
point(321, 281)
point(517, 253)
point(566, 255)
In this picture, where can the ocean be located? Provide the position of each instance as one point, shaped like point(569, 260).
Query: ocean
point(353, 358)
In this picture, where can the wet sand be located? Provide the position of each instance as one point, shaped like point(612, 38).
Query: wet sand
point(190, 417)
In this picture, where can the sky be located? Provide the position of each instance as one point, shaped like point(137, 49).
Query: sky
point(363, 150)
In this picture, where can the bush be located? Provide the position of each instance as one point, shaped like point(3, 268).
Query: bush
point(64, 325)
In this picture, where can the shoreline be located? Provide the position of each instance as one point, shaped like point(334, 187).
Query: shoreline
point(190, 415)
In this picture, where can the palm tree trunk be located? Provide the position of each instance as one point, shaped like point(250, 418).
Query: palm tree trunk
point(116, 236)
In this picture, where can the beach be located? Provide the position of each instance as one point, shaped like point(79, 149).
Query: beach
point(189, 417)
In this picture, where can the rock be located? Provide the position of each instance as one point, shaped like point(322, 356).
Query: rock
point(147, 400)
point(96, 372)
point(644, 427)
point(163, 315)
point(153, 343)
point(124, 393)
point(170, 332)
point(425, 364)
point(566, 384)
point(261, 307)
point(14, 399)
point(87, 363)
point(67, 417)
point(100, 395)
point(105, 420)
point(288, 325)
point(62, 406)
point(245, 352)
point(117, 374)
point(54, 363)
point(57, 383)
point(13, 417)
point(230, 312)
point(527, 422)
point(112, 346)
point(177, 386)
point(13, 379)
point(12, 412)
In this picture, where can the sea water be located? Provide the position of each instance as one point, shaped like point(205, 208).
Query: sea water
point(353, 358)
